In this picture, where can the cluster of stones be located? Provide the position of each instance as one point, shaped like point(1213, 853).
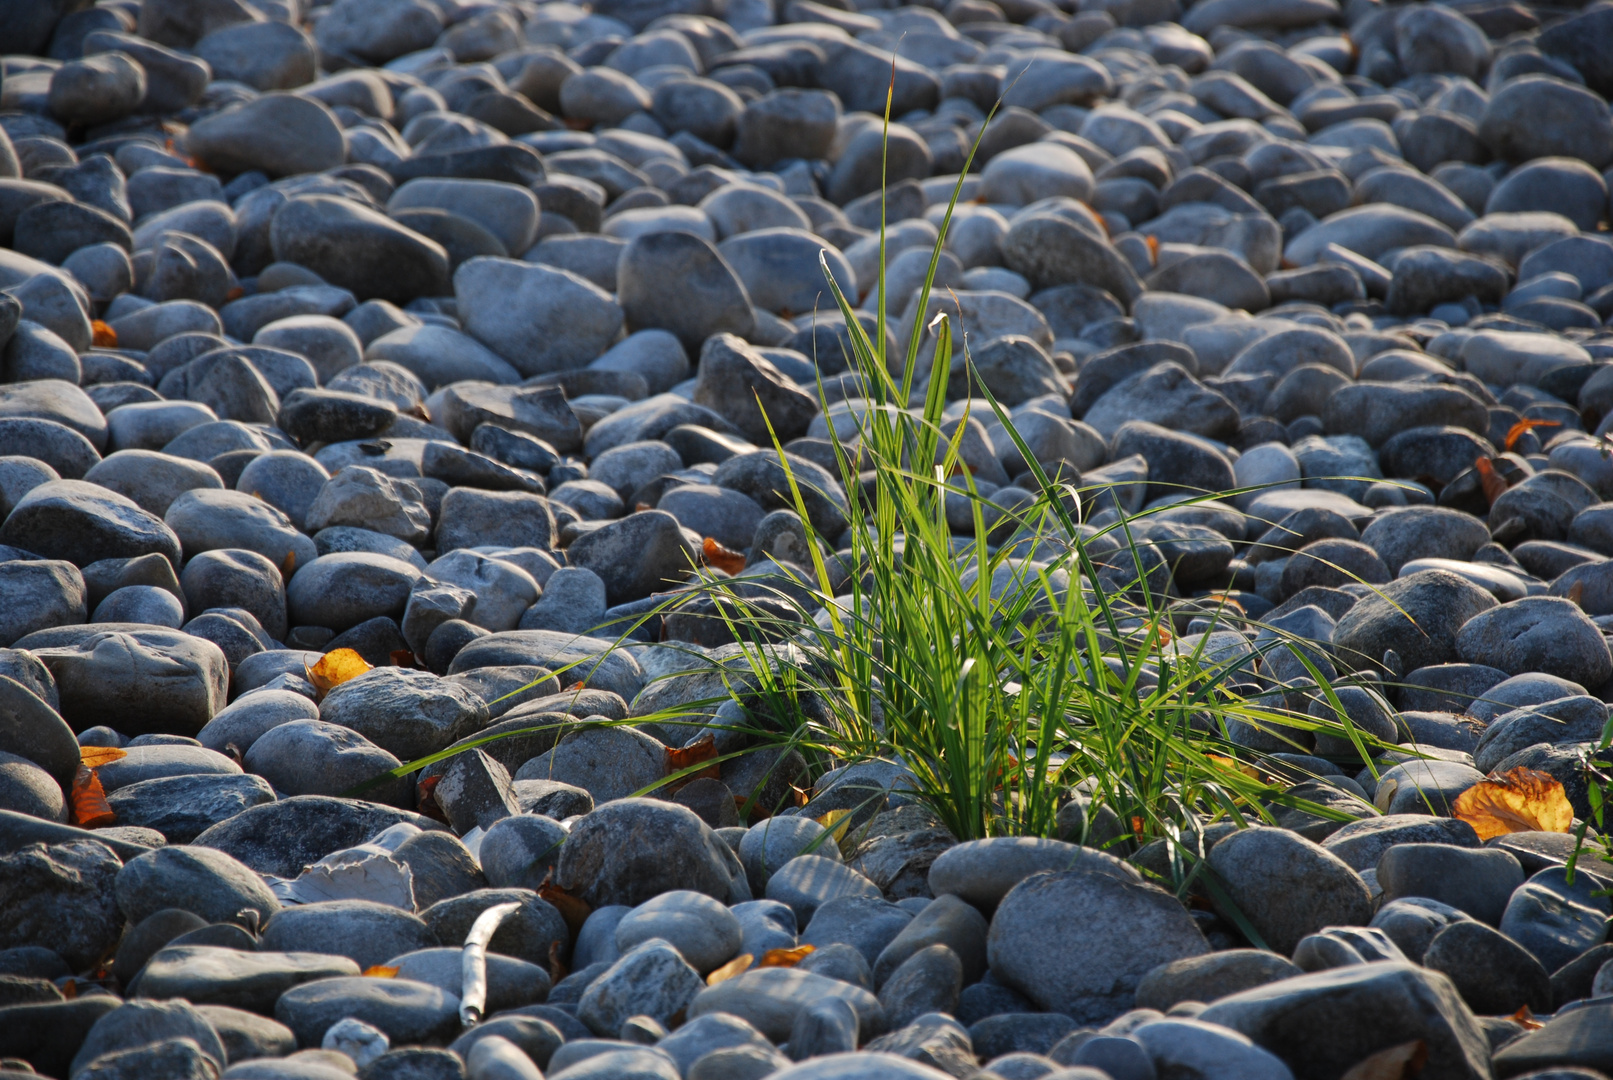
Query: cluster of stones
point(453, 331)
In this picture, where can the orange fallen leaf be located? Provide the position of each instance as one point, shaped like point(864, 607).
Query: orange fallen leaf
point(1523, 800)
point(102, 336)
point(737, 966)
point(1526, 1017)
point(235, 293)
point(800, 795)
point(380, 971)
point(96, 756)
point(679, 758)
point(288, 566)
point(1153, 247)
point(88, 799)
point(1524, 426)
point(403, 658)
point(1391, 1063)
point(574, 909)
point(1493, 483)
point(70, 990)
point(724, 559)
point(786, 957)
point(335, 668)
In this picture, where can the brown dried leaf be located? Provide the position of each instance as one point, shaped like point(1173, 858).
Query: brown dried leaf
point(95, 756)
point(557, 966)
point(403, 658)
point(1391, 1063)
point(574, 909)
point(737, 966)
point(102, 336)
point(1523, 800)
point(724, 559)
point(380, 971)
point(425, 798)
point(335, 668)
point(679, 758)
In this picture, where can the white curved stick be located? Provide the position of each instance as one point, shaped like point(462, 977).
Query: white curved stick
point(473, 964)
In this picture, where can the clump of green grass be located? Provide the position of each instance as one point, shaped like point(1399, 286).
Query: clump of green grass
point(1029, 673)
point(1010, 679)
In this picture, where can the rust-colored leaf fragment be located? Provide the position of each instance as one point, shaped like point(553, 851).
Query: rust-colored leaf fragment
point(724, 559)
point(574, 909)
point(1493, 483)
point(88, 799)
point(95, 756)
point(786, 957)
point(380, 971)
point(1576, 592)
point(335, 668)
point(425, 799)
point(1523, 800)
point(679, 758)
point(1525, 1016)
point(557, 966)
point(737, 966)
point(102, 336)
point(403, 658)
point(1391, 1063)
point(288, 566)
point(1524, 426)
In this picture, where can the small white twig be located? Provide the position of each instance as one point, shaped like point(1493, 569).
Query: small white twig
point(473, 964)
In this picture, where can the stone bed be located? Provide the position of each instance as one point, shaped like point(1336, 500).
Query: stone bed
point(451, 331)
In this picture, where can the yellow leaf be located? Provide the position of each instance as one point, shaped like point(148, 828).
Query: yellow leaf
point(381, 971)
point(737, 966)
point(829, 821)
point(96, 756)
point(335, 668)
point(786, 957)
point(1524, 800)
point(1391, 1063)
point(1234, 765)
